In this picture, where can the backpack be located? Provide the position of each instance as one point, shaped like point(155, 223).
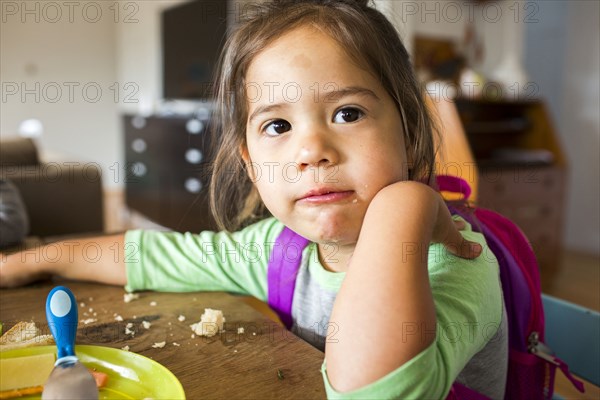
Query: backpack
point(531, 365)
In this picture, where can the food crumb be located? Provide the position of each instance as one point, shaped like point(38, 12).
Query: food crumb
point(89, 321)
point(235, 351)
point(146, 324)
point(129, 325)
point(169, 323)
point(153, 303)
point(240, 330)
point(181, 318)
point(125, 348)
point(91, 310)
point(91, 299)
point(193, 336)
point(128, 297)
point(82, 304)
point(118, 318)
point(159, 345)
point(253, 333)
point(211, 322)
point(176, 344)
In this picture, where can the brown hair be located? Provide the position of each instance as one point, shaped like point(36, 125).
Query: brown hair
point(368, 37)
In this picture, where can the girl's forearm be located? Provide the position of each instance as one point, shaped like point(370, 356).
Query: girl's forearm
point(386, 293)
point(98, 259)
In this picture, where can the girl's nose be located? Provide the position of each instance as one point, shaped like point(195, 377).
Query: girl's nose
point(316, 149)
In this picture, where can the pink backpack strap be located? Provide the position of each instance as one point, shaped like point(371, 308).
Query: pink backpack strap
point(282, 272)
point(454, 184)
point(461, 392)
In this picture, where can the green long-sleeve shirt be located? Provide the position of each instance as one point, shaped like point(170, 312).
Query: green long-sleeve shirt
point(471, 340)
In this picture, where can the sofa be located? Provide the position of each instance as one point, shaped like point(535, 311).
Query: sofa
point(61, 198)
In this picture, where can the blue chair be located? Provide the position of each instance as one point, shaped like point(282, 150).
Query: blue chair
point(573, 333)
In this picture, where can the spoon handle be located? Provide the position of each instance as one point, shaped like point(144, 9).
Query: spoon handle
point(61, 313)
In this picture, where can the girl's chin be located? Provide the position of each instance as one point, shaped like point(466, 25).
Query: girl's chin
point(332, 233)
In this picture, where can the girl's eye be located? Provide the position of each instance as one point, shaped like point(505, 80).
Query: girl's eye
point(347, 115)
point(277, 127)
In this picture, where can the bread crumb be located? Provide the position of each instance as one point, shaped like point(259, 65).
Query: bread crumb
point(176, 344)
point(129, 325)
point(193, 336)
point(159, 345)
point(119, 318)
point(81, 304)
point(153, 303)
point(240, 330)
point(89, 321)
point(91, 299)
point(181, 318)
point(128, 297)
point(125, 348)
point(146, 324)
point(91, 310)
point(211, 323)
point(253, 333)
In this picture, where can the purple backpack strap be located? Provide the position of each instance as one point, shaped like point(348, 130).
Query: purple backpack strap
point(284, 264)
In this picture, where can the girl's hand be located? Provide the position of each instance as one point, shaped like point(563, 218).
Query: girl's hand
point(71, 262)
point(447, 231)
point(15, 273)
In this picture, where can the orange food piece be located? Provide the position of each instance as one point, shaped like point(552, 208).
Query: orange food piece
point(9, 394)
point(100, 377)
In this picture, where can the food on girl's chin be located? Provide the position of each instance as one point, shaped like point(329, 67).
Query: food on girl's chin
point(211, 323)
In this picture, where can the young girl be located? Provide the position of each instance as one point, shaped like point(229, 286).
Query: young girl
point(323, 125)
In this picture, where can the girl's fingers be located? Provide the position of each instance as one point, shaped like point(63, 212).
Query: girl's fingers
point(469, 250)
point(460, 224)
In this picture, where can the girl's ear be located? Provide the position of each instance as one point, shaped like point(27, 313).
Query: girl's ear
point(247, 162)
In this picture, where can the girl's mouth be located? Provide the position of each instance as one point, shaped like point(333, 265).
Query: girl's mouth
point(324, 196)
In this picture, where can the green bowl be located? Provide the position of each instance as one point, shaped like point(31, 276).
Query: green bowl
point(130, 375)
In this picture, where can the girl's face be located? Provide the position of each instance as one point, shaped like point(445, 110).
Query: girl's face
point(323, 136)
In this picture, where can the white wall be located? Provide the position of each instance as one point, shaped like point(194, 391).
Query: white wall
point(139, 59)
point(580, 124)
point(60, 64)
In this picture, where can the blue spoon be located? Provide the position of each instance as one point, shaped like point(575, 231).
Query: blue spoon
point(69, 379)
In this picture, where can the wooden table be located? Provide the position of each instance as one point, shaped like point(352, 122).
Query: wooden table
point(229, 365)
